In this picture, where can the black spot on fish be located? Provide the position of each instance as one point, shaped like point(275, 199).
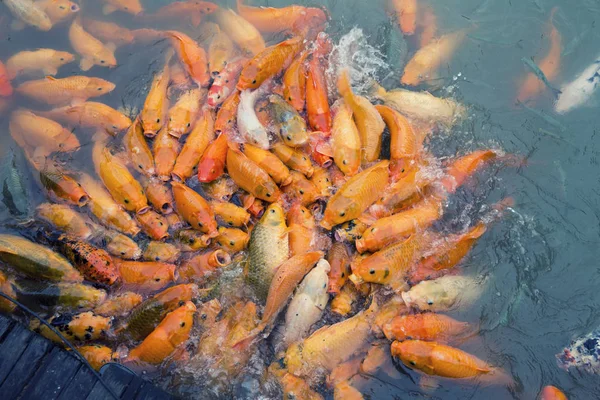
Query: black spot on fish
point(590, 344)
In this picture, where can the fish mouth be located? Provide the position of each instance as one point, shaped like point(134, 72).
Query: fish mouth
point(221, 258)
point(175, 176)
point(83, 200)
point(166, 208)
point(143, 210)
point(150, 133)
point(360, 245)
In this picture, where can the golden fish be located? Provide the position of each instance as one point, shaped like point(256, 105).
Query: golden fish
point(65, 219)
point(195, 145)
point(345, 140)
point(69, 90)
point(139, 152)
point(92, 51)
point(47, 61)
point(184, 112)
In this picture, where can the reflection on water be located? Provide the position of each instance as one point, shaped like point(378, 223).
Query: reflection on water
point(539, 262)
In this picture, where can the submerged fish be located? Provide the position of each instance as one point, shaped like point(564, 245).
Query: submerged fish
point(15, 185)
point(540, 74)
point(579, 91)
point(582, 353)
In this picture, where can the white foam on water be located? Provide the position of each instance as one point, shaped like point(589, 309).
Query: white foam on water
point(364, 61)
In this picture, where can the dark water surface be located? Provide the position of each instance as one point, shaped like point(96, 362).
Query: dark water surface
point(541, 260)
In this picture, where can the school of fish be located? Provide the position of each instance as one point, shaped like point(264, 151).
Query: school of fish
point(243, 159)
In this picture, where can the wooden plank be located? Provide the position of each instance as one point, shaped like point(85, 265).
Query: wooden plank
point(80, 386)
point(11, 349)
point(53, 376)
point(151, 392)
point(24, 369)
point(116, 378)
point(5, 325)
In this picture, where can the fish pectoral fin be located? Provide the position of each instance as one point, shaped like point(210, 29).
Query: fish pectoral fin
point(86, 64)
point(196, 19)
point(17, 25)
point(108, 9)
point(111, 46)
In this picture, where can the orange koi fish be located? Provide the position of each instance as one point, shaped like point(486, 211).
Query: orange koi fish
point(183, 114)
point(242, 32)
point(462, 168)
point(47, 61)
point(440, 360)
point(129, 6)
point(425, 326)
point(369, 123)
point(269, 62)
point(154, 113)
point(153, 224)
point(317, 101)
point(251, 177)
point(140, 155)
point(73, 89)
point(447, 255)
point(194, 209)
point(221, 51)
point(171, 333)
point(301, 224)
point(58, 10)
point(551, 393)
point(229, 214)
point(406, 15)
point(227, 115)
point(232, 240)
point(203, 265)
point(427, 61)
point(549, 65)
point(212, 163)
point(193, 11)
point(194, 147)
point(301, 190)
point(346, 141)
point(192, 57)
point(293, 18)
point(429, 25)
point(109, 32)
point(294, 82)
point(270, 163)
point(146, 276)
point(356, 195)
point(294, 159)
point(165, 148)
point(388, 230)
point(6, 88)
point(92, 51)
point(340, 268)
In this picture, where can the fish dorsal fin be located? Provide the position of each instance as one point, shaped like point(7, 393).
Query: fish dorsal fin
point(51, 78)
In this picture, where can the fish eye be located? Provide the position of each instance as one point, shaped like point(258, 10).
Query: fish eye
point(189, 124)
point(140, 166)
point(181, 302)
point(342, 214)
point(372, 272)
point(160, 223)
point(126, 201)
point(345, 162)
point(301, 191)
point(61, 7)
point(122, 253)
point(62, 59)
point(254, 82)
point(125, 8)
point(272, 211)
point(157, 258)
point(74, 7)
point(268, 194)
point(158, 120)
point(232, 243)
point(157, 279)
point(200, 224)
point(101, 61)
point(182, 324)
point(430, 302)
point(413, 363)
point(99, 89)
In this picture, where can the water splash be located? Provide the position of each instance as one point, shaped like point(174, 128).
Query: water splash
point(364, 61)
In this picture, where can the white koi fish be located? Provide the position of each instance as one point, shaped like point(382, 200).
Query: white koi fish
point(580, 90)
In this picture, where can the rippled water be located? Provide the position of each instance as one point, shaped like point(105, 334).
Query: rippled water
point(541, 259)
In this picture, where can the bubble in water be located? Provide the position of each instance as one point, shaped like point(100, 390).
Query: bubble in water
point(364, 61)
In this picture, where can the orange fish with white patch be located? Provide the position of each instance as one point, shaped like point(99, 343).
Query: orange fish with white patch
point(192, 57)
point(549, 65)
point(92, 51)
point(170, 334)
point(225, 82)
point(69, 90)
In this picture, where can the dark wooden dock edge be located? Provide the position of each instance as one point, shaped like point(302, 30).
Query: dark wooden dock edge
point(32, 367)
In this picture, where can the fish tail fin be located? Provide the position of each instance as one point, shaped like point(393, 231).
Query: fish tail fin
point(343, 84)
point(476, 232)
point(376, 90)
